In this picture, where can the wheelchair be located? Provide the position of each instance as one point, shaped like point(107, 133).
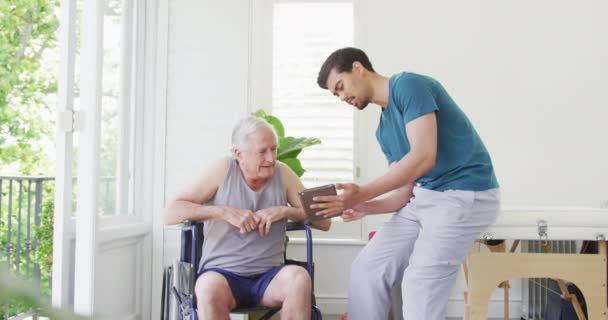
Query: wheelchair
point(179, 300)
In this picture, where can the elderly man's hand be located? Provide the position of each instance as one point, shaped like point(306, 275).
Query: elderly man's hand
point(267, 217)
point(243, 219)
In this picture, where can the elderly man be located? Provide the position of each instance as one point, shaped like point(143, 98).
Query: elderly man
point(243, 201)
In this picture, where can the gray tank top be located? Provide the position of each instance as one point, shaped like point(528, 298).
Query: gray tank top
point(245, 254)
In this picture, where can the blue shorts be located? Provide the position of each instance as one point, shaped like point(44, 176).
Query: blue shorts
point(246, 290)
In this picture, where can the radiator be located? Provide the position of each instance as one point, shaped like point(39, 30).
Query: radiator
point(535, 290)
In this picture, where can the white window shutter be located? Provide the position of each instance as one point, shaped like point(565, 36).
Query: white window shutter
point(299, 49)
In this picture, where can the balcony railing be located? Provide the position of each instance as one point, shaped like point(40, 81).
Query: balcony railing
point(21, 201)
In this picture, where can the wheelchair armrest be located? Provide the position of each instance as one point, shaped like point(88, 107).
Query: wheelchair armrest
point(296, 226)
point(191, 237)
point(186, 225)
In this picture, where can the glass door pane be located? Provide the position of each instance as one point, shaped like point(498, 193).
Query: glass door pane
point(116, 108)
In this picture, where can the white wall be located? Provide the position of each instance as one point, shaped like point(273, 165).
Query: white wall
point(207, 84)
point(530, 75)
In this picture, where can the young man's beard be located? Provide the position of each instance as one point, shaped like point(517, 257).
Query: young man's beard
point(363, 105)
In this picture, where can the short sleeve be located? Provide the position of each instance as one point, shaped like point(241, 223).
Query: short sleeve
point(415, 97)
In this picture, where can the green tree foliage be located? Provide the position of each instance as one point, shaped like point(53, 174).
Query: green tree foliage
point(22, 244)
point(28, 84)
point(14, 289)
point(27, 32)
point(44, 253)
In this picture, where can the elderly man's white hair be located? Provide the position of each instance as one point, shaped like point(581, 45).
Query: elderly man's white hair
point(245, 128)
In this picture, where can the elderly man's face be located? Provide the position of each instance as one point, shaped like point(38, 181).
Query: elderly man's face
point(258, 161)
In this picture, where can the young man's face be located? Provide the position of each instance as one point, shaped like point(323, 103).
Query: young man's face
point(350, 87)
point(258, 161)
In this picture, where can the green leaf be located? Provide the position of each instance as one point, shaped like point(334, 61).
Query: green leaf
point(295, 165)
point(292, 154)
point(289, 145)
point(260, 113)
point(276, 123)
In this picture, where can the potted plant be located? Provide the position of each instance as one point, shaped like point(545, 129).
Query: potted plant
point(289, 147)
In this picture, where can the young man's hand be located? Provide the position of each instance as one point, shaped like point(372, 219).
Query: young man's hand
point(267, 217)
point(356, 213)
point(351, 196)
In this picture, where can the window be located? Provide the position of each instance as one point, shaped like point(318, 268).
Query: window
point(290, 41)
point(299, 49)
point(116, 147)
point(117, 126)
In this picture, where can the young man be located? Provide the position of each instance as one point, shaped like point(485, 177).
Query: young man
point(436, 156)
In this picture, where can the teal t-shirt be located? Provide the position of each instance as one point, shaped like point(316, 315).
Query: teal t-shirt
point(462, 162)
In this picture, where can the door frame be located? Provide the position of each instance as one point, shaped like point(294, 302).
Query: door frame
point(63, 224)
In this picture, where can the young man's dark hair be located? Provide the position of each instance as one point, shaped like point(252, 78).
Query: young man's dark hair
point(342, 60)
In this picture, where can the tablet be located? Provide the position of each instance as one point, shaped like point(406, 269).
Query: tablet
point(306, 199)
